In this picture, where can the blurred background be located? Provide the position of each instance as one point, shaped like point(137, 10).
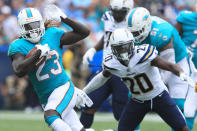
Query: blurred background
point(17, 93)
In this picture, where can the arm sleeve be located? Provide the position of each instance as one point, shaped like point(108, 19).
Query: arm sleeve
point(95, 83)
point(180, 18)
point(14, 49)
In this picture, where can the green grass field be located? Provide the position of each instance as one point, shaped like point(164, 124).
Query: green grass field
point(19, 121)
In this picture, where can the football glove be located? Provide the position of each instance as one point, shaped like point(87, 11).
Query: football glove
point(187, 79)
point(44, 49)
point(88, 56)
point(82, 99)
point(52, 12)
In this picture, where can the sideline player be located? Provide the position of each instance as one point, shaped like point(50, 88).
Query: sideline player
point(137, 66)
point(187, 27)
point(113, 19)
point(161, 34)
point(55, 90)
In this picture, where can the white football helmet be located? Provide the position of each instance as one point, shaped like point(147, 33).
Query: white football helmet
point(31, 24)
point(139, 23)
point(122, 45)
point(120, 8)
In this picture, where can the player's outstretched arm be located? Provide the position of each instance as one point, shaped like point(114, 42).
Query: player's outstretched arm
point(78, 33)
point(21, 65)
point(165, 65)
point(88, 56)
point(99, 80)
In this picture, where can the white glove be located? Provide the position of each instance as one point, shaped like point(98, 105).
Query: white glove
point(52, 12)
point(82, 99)
point(88, 56)
point(44, 49)
point(187, 79)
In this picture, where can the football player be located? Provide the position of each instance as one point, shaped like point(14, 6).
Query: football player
point(156, 31)
point(113, 19)
point(55, 90)
point(187, 27)
point(137, 66)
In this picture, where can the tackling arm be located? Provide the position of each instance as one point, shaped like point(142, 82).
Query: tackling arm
point(99, 80)
point(165, 65)
point(21, 65)
point(78, 33)
point(159, 62)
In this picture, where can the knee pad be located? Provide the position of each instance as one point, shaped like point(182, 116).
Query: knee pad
point(50, 119)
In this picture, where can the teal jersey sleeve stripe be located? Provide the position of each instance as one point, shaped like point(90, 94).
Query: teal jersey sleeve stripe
point(29, 14)
point(130, 17)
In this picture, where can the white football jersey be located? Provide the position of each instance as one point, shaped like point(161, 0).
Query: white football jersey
point(143, 80)
point(109, 26)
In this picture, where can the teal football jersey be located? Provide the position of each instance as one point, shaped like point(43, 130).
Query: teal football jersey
point(49, 75)
point(161, 34)
point(188, 20)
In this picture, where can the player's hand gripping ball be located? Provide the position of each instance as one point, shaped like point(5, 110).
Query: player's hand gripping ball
point(41, 59)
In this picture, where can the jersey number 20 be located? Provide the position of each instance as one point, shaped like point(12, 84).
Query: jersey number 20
point(138, 79)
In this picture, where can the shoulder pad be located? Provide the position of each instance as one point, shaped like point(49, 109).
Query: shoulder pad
point(110, 63)
point(161, 34)
point(145, 52)
point(106, 16)
point(15, 46)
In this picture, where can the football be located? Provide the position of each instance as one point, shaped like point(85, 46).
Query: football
point(31, 52)
point(40, 61)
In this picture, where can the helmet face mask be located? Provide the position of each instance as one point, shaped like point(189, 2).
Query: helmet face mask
point(123, 51)
point(33, 31)
point(139, 35)
point(31, 28)
point(122, 45)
